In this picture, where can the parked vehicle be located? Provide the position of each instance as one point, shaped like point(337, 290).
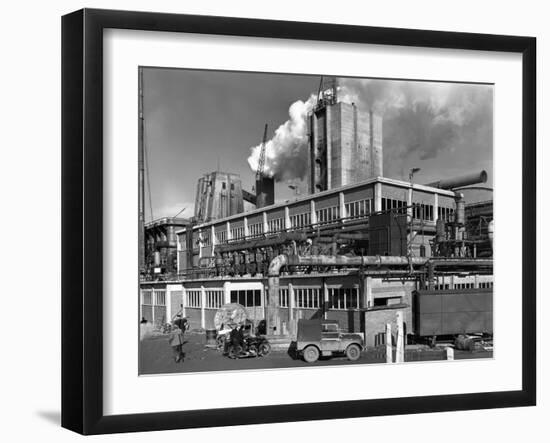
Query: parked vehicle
point(240, 343)
point(324, 338)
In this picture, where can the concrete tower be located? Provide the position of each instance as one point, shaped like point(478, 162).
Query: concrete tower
point(345, 144)
point(219, 194)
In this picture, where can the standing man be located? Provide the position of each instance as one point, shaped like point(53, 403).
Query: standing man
point(175, 340)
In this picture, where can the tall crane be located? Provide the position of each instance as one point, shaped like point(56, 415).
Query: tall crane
point(261, 163)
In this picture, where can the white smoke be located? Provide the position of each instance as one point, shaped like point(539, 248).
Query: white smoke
point(422, 119)
point(286, 152)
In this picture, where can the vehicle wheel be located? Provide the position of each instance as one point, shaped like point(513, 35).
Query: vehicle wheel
point(234, 351)
point(311, 354)
point(353, 352)
point(265, 348)
point(220, 342)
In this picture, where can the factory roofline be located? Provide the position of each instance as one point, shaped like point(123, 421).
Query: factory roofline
point(383, 180)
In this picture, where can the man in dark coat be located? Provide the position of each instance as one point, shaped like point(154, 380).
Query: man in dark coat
point(175, 340)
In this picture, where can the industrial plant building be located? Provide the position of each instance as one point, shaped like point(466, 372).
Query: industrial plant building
point(358, 248)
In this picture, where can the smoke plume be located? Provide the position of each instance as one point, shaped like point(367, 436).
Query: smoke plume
point(421, 121)
point(286, 152)
point(426, 120)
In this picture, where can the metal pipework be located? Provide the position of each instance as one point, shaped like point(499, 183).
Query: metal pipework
point(367, 261)
point(343, 260)
point(458, 182)
point(276, 264)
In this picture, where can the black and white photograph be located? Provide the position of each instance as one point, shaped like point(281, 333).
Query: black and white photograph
point(295, 221)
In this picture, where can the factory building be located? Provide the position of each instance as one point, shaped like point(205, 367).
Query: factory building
point(227, 260)
point(161, 247)
point(345, 143)
point(357, 248)
point(219, 194)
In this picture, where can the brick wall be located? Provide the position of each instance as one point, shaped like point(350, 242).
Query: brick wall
point(375, 322)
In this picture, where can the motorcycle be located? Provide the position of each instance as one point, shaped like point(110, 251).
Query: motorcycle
point(236, 345)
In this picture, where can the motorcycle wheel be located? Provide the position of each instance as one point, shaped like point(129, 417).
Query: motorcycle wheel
point(235, 351)
point(264, 349)
point(220, 343)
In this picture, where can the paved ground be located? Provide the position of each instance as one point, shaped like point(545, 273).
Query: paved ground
point(156, 357)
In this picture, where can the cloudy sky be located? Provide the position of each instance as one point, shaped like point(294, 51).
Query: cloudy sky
point(197, 120)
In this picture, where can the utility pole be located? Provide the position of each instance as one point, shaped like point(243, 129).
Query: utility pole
point(141, 166)
point(411, 236)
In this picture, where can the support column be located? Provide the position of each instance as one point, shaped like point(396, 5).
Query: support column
point(213, 241)
point(342, 205)
point(377, 197)
point(291, 301)
point(245, 224)
point(227, 292)
point(168, 303)
point(400, 351)
point(367, 292)
point(203, 305)
point(272, 312)
point(436, 206)
point(291, 307)
point(409, 203)
point(326, 299)
point(313, 214)
point(228, 231)
point(266, 226)
point(389, 348)
point(183, 301)
point(287, 219)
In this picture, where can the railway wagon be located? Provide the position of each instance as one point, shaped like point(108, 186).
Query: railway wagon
point(452, 312)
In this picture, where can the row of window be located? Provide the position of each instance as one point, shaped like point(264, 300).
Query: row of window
point(445, 214)
point(255, 229)
point(308, 298)
point(353, 210)
point(311, 298)
point(247, 297)
point(358, 208)
point(391, 203)
point(276, 225)
point(153, 298)
point(423, 211)
point(237, 233)
point(206, 239)
point(344, 298)
point(193, 298)
point(221, 236)
point(445, 286)
point(300, 220)
point(326, 215)
point(214, 298)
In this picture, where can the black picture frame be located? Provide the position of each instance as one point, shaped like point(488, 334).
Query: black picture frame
point(82, 218)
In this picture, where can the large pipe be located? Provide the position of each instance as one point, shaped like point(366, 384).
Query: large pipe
point(369, 260)
point(458, 182)
point(276, 264)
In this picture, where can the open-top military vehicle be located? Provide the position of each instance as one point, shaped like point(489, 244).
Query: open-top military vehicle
point(324, 338)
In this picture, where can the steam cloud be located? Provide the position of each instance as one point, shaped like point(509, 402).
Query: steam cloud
point(286, 152)
point(422, 120)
